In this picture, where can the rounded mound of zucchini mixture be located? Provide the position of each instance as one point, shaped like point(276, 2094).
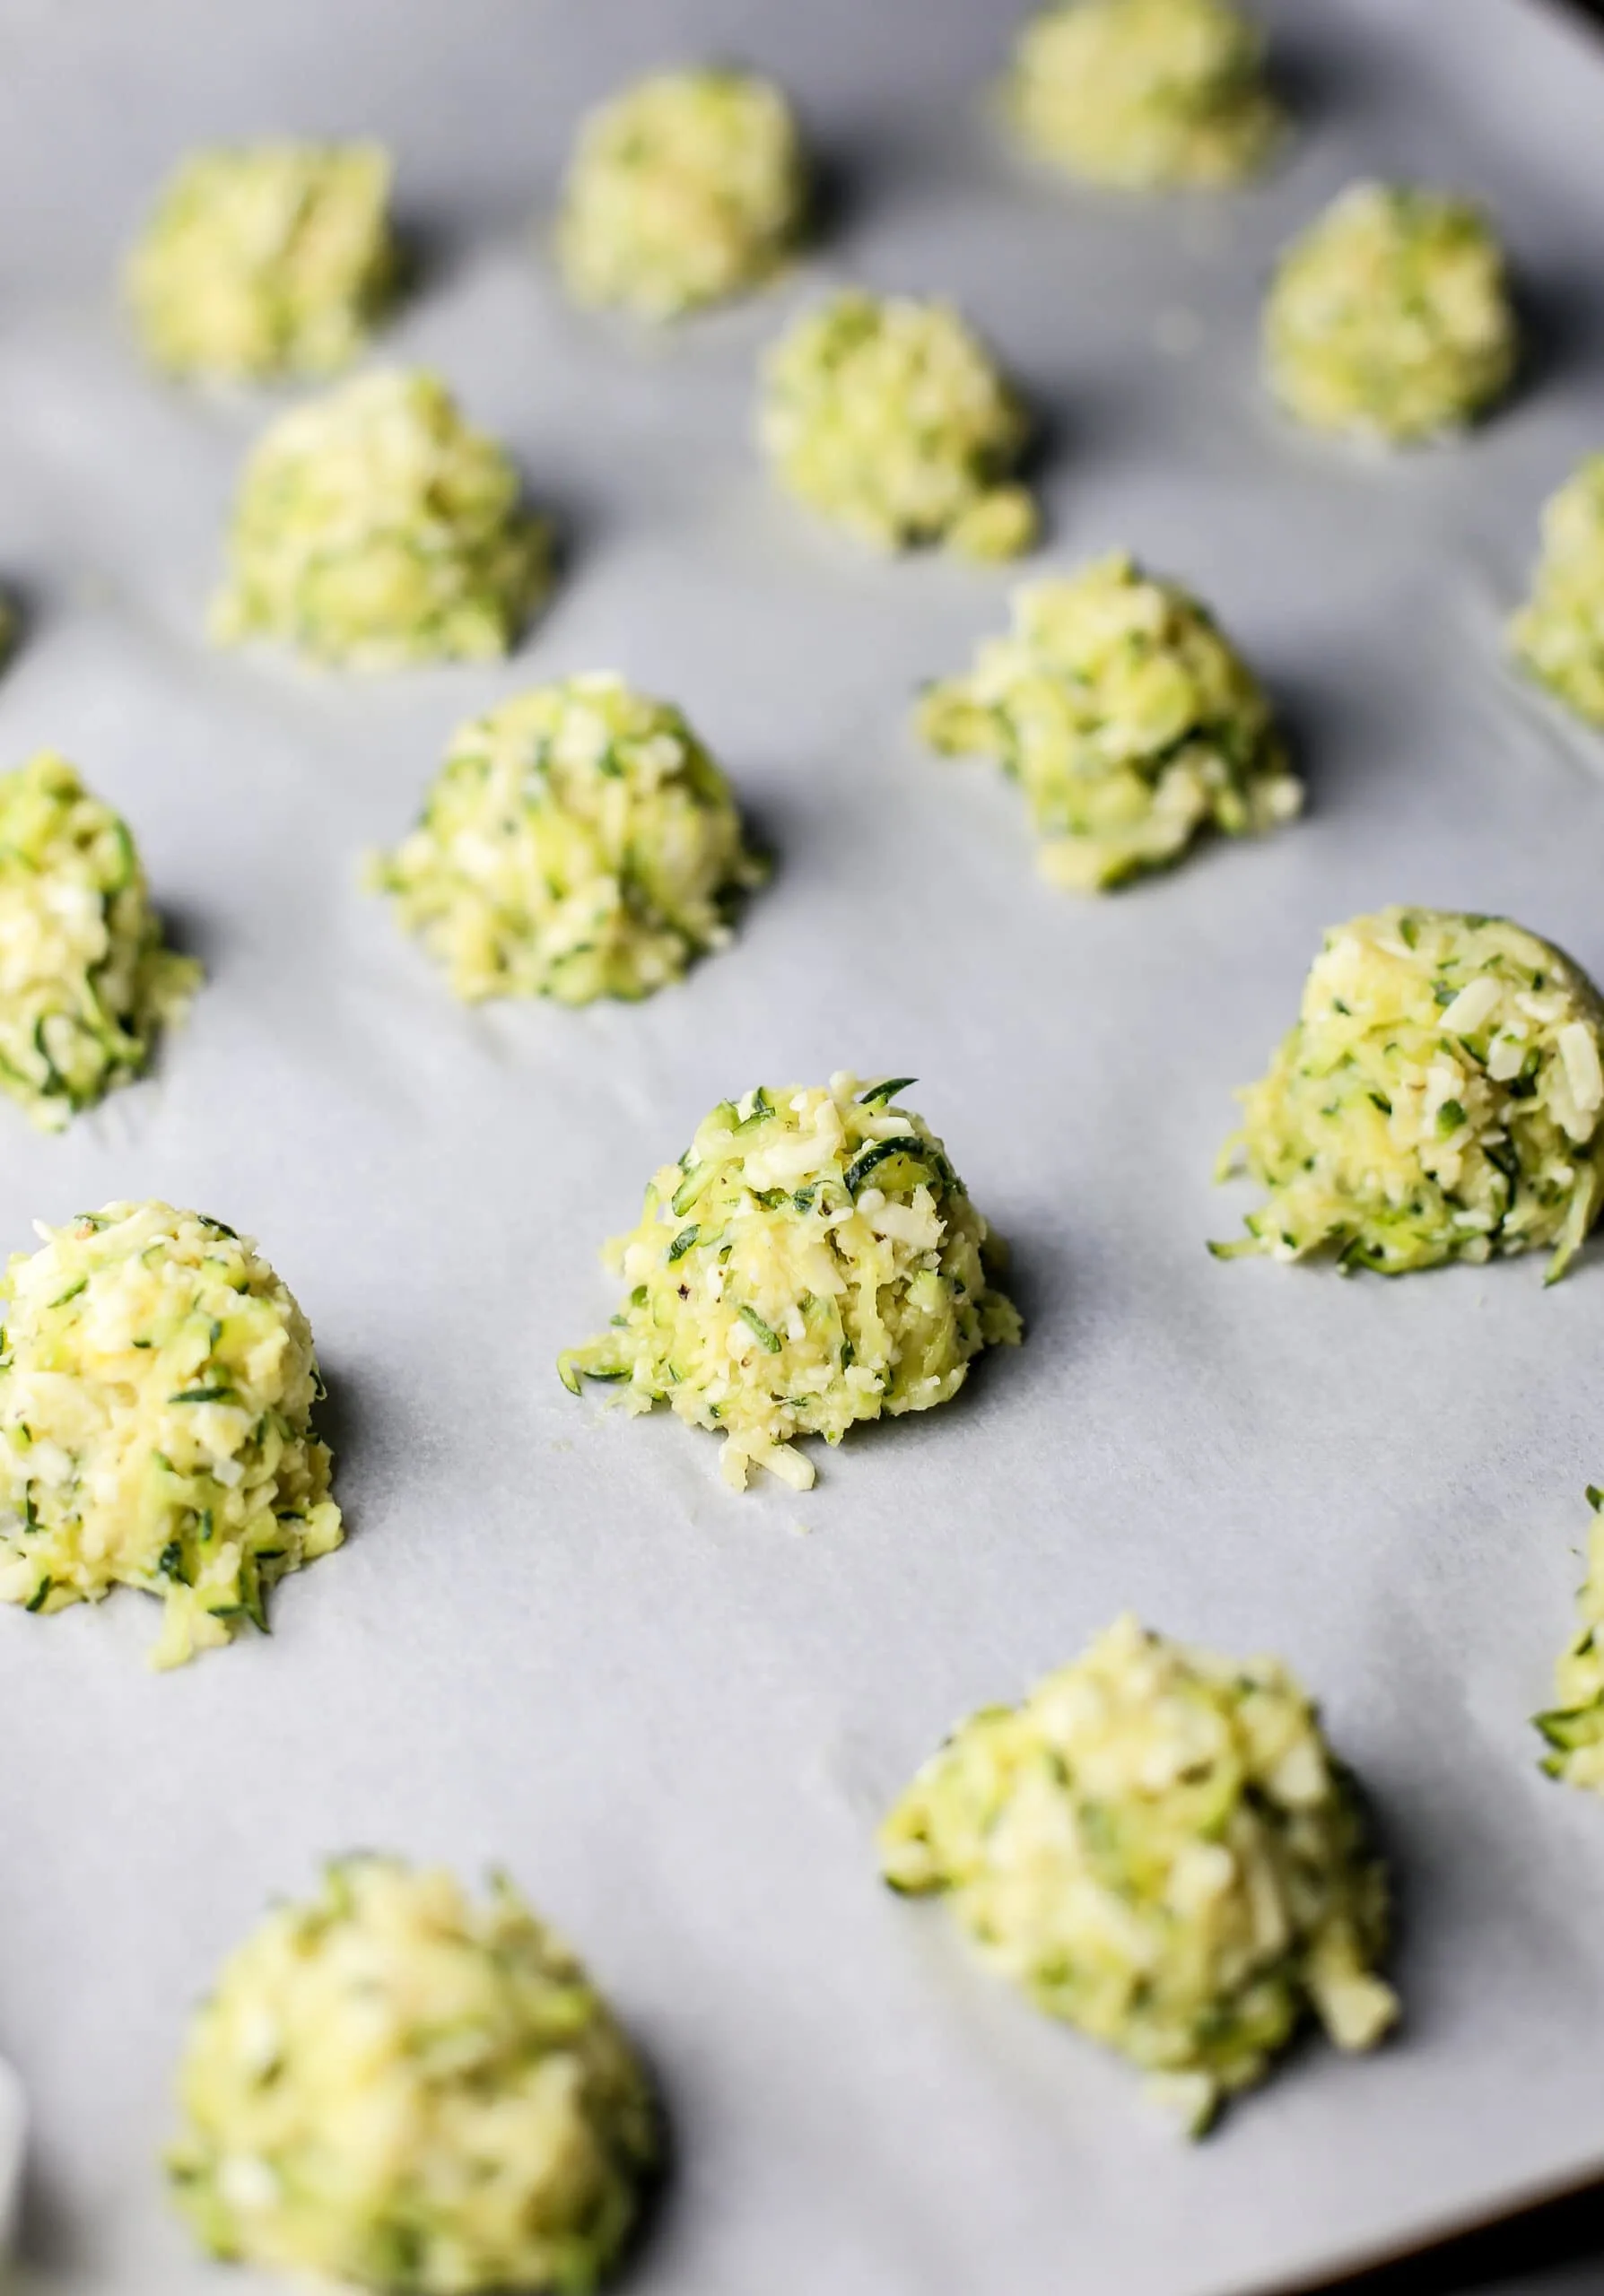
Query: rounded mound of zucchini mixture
point(688, 188)
point(265, 259)
point(1573, 1726)
point(156, 1387)
point(1559, 635)
point(811, 1260)
point(1144, 94)
point(579, 842)
point(394, 2087)
point(1128, 719)
point(374, 527)
point(1439, 1098)
point(1391, 318)
point(1159, 1846)
point(85, 981)
point(888, 416)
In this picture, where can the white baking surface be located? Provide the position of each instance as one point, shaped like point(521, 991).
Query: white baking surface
point(555, 1640)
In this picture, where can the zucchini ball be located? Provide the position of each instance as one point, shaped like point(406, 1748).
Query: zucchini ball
point(1128, 719)
point(395, 2086)
point(687, 188)
point(889, 417)
point(1144, 95)
point(1159, 1846)
point(1440, 1097)
point(86, 980)
point(577, 842)
point(811, 1261)
point(263, 260)
point(157, 1382)
point(1558, 636)
point(374, 528)
point(1390, 319)
point(1573, 1726)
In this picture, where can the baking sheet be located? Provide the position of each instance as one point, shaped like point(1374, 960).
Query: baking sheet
point(553, 1640)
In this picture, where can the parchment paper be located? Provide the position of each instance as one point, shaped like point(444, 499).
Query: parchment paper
point(553, 1640)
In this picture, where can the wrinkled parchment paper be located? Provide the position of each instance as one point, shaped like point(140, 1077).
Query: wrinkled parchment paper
point(553, 1640)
